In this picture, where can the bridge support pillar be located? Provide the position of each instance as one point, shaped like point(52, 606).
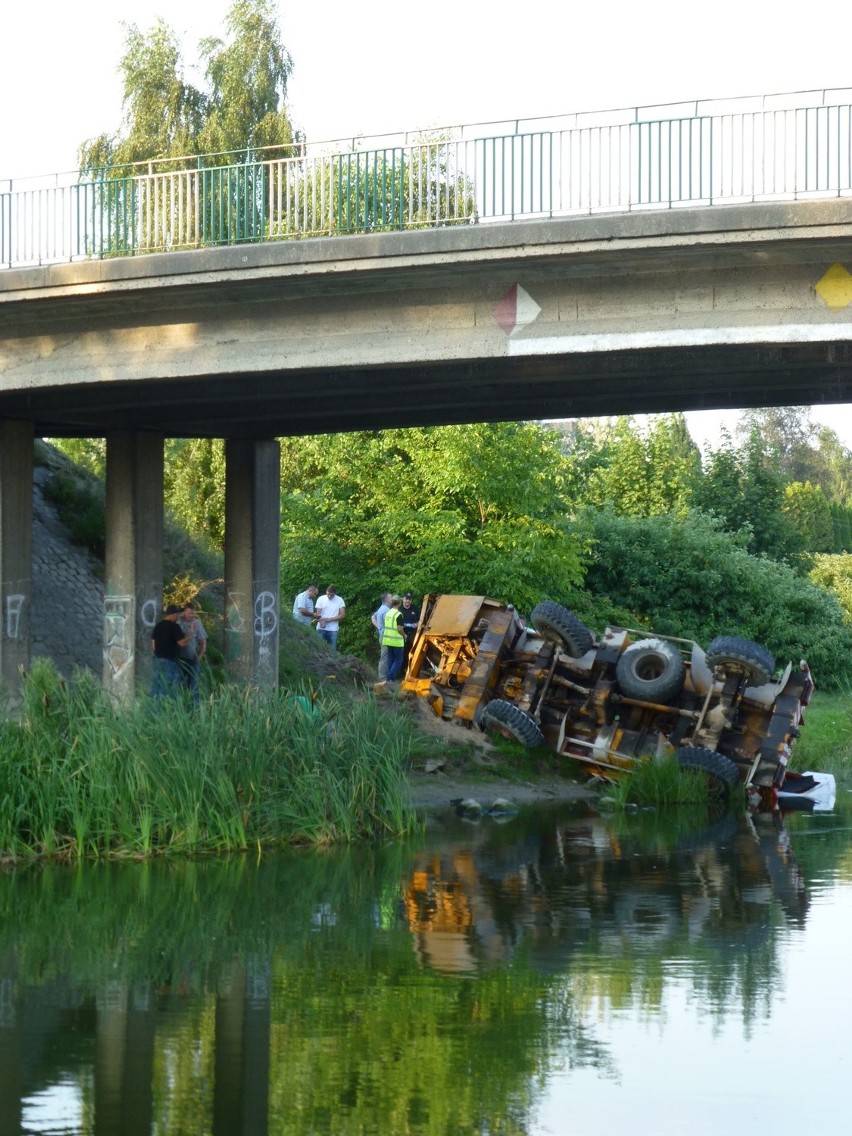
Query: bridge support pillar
point(16, 550)
point(133, 583)
point(252, 560)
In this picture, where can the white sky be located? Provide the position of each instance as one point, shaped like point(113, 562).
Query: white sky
point(379, 68)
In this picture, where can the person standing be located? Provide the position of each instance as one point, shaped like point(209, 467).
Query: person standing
point(378, 621)
point(190, 655)
point(392, 637)
point(303, 605)
point(331, 611)
point(410, 619)
point(166, 642)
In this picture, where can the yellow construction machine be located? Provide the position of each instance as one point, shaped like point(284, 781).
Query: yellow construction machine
point(612, 701)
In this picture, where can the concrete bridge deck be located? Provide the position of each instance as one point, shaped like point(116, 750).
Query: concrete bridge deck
point(606, 314)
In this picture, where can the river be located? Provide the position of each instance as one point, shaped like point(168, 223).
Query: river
point(554, 972)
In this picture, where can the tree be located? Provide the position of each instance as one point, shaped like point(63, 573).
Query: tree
point(809, 514)
point(645, 474)
point(478, 509)
point(195, 487)
point(242, 107)
point(162, 114)
point(247, 79)
point(744, 489)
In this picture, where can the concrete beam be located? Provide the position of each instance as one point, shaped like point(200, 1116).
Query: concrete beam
point(133, 584)
point(252, 560)
point(16, 550)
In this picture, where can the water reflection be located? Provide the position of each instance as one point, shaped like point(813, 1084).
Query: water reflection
point(347, 991)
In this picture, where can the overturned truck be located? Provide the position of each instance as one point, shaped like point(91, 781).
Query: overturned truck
point(611, 702)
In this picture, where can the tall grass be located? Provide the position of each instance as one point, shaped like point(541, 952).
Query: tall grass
point(662, 783)
point(80, 777)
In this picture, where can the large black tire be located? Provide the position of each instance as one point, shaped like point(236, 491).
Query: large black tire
point(651, 670)
point(510, 719)
point(557, 624)
point(731, 653)
point(719, 770)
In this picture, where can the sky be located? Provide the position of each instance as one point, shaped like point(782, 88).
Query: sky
point(382, 68)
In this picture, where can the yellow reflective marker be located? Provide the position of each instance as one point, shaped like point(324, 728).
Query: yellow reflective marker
point(835, 288)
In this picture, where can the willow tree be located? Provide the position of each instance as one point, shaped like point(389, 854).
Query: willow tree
point(166, 120)
point(241, 106)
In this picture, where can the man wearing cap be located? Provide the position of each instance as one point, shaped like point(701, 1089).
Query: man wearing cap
point(166, 642)
point(410, 619)
point(331, 611)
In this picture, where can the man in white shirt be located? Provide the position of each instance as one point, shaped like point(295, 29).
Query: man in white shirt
point(331, 610)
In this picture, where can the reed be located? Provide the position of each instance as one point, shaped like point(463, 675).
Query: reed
point(661, 783)
point(80, 777)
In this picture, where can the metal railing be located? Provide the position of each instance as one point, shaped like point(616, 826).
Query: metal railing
point(780, 147)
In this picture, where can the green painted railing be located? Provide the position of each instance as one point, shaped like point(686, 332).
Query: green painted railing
point(780, 147)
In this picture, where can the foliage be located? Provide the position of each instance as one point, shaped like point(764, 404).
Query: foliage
point(475, 509)
point(88, 454)
point(688, 578)
point(80, 779)
point(247, 78)
point(809, 515)
point(641, 474)
point(79, 503)
point(396, 187)
point(841, 527)
point(834, 573)
point(194, 487)
point(242, 106)
point(744, 489)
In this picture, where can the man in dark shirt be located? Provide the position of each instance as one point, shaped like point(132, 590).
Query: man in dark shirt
point(410, 619)
point(166, 641)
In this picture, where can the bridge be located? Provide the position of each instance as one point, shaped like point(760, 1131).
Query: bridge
point(695, 261)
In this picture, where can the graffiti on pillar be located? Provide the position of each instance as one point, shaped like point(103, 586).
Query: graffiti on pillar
point(149, 613)
point(15, 603)
point(265, 626)
point(119, 622)
point(235, 626)
point(15, 611)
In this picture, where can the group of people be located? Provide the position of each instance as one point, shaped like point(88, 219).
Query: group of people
point(326, 613)
point(178, 642)
point(395, 621)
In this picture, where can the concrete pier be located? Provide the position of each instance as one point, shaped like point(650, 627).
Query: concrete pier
point(16, 550)
point(133, 579)
point(252, 560)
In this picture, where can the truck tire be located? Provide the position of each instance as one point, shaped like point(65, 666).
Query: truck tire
point(651, 670)
point(719, 770)
point(557, 624)
point(731, 653)
point(510, 719)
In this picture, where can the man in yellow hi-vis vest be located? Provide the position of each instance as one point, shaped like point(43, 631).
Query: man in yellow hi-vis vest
point(392, 637)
